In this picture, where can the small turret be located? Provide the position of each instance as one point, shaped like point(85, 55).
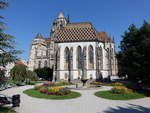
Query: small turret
point(39, 35)
point(61, 15)
point(59, 23)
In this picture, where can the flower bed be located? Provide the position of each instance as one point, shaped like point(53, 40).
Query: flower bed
point(112, 96)
point(121, 90)
point(97, 83)
point(37, 94)
point(57, 91)
point(52, 91)
point(117, 84)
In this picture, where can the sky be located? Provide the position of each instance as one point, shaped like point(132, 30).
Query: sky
point(25, 18)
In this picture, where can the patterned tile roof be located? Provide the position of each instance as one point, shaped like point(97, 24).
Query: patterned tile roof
point(77, 32)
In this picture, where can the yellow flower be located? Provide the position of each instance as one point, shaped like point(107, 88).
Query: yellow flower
point(56, 89)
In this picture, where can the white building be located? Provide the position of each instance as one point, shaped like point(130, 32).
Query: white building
point(74, 51)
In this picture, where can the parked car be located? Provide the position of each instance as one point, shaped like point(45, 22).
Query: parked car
point(21, 84)
point(2, 87)
point(6, 86)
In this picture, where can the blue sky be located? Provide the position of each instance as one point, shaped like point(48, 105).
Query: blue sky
point(25, 18)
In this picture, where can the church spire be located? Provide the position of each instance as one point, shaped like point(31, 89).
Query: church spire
point(68, 19)
point(61, 15)
point(39, 35)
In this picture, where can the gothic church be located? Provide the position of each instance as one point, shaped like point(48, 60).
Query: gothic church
point(74, 51)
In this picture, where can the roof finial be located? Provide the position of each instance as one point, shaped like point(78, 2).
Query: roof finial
point(39, 35)
point(61, 15)
point(68, 19)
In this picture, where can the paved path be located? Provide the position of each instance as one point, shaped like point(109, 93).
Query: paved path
point(87, 103)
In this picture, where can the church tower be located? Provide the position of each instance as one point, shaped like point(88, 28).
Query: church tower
point(59, 23)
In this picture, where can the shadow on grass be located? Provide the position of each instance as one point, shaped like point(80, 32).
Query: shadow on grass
point(145, 92)
point(130, 109)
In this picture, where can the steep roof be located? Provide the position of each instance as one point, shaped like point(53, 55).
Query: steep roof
point(103, 36)
point(77, 32)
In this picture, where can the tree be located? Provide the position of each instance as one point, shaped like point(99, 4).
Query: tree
point(134, 57)
point(31, 76)
point(45, 73)
point(7, 42)
point(19, 72)
point(2, 77)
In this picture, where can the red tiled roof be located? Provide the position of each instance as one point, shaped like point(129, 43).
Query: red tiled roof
point(103, 36)
point(20, 63)
point(47, 39)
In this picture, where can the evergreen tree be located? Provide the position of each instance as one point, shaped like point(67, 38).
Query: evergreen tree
point(45, 73)
point(7, 42)
point(134, 57)
point(18, 72)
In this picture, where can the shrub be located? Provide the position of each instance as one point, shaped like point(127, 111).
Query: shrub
point(121, 90)
point(2, 76)
point(117, 84)
point(45, 73)
point(133, 86)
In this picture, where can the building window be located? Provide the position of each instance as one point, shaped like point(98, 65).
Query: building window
point(39, 64)
point(66, 58)
point(45, 63)
point(101, 57)
point(91, 57)
point(84, 57)
point(58, 58)
point(79, 57)
point(108, 58)
point(71, 58)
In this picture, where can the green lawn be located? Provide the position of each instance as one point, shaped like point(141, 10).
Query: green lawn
point(6, 110)
point(37, 94)
point(110, 95)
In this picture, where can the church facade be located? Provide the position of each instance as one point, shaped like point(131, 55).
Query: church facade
point(74, 51)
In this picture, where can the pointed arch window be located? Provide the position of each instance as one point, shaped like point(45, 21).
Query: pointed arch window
point(66, 57)
point(71, 58)
point(58, 58)
point(84, 56)
point(79, 57)
point(91, 57)
point(108, 57)
point(100, 57)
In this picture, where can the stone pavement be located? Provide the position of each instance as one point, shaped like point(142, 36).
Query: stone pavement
point(87, 103)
